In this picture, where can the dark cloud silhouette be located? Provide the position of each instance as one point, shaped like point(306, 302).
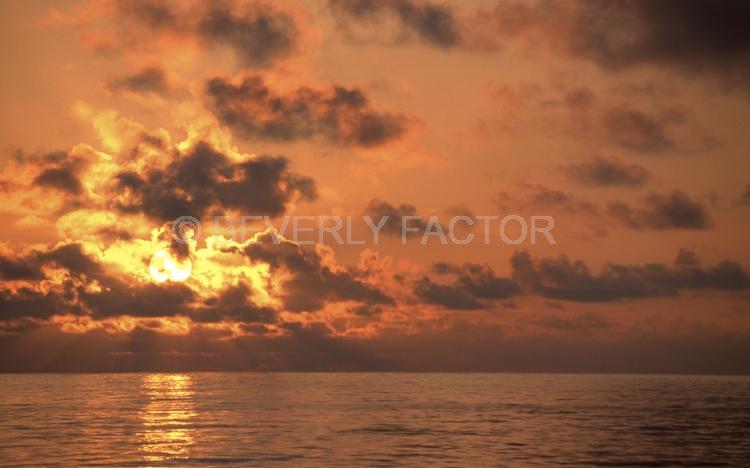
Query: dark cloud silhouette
point(111, 297)
point(377, 209)
point(58, 170)
point(338, 114)
point(205, 179)
point(448, 296)
point(473, 283)
point(675, 210)
point(148, 80)
point(580, 98)
point(138, 300)
point(309, 348)
point(640, 132)
point(432, 23)
point(563, 279)
point(546, 196)
point(28, 266)
point(366, 310)
point(696, 36)
point(576, 324)
point(744, 198)
point(605, 172)
point(258, 37)
point(258, 33)
point(62, 178)
point(308, 283)
point(548, 199)
point(233, 303)
point(692, 37)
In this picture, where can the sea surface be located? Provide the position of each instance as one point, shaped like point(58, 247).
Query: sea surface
point(373, 419)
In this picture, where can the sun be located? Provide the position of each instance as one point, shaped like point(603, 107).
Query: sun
point(164, 266)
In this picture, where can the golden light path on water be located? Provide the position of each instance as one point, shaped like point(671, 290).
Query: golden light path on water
point(167, 417)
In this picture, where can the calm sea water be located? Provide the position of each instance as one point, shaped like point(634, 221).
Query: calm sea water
point(373, 419)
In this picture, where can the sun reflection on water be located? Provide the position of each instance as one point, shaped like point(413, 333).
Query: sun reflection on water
point(167, 417)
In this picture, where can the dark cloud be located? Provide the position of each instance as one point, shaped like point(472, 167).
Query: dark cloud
point(608, 172)
point(696, 36)
point(58, 170)
point(148, 80)
point(138, 300)
point(580, 98)
point(548, 199)
point(562, 279)
point(378, 209)
point(205, 179)
point(337, 114)
point(110, 297)
point(308, 283)
point(28, 266)
point(546, 196)
point(675, 210)
point(744, 199)
point(576, 324)
point(640, 132)
point(448, 296)
point(432, 23)
point(153, 13)
point(25, 302)
point(44, 348)
point(366, 310)
point(233, 303)
point(473, 283)
point(62, 178)
point(258, 37)
point(86, 288)
point(258, 33)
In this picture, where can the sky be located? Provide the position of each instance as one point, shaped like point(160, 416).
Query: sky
point(162, 159)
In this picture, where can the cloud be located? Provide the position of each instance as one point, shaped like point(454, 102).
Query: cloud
point(432, 23)
point(308, 281)
point(148, 80)
point(576, 324)
point(541, 197)
point(337, 114)
point(204, 179)
point(57, 170)
point(366, 310)
point(579, 98)
point(675, 210)
point(447, 296)
point(68, 279)
point(473, 283)
point(258, 33)
point(605, 172)
point(85, 288)
point(695, 36)
point(744, 198)
point(233, 303)
point(562, 279)
point(378, 209)
point(640, 132)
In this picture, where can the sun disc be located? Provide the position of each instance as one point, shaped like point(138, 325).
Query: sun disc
point(165, 267)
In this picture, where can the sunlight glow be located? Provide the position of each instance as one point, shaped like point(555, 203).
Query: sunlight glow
point(164, 266)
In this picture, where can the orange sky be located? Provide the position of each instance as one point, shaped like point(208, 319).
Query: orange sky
point(624, 122)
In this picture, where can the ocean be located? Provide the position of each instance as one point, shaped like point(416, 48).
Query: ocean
point(373, 419)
